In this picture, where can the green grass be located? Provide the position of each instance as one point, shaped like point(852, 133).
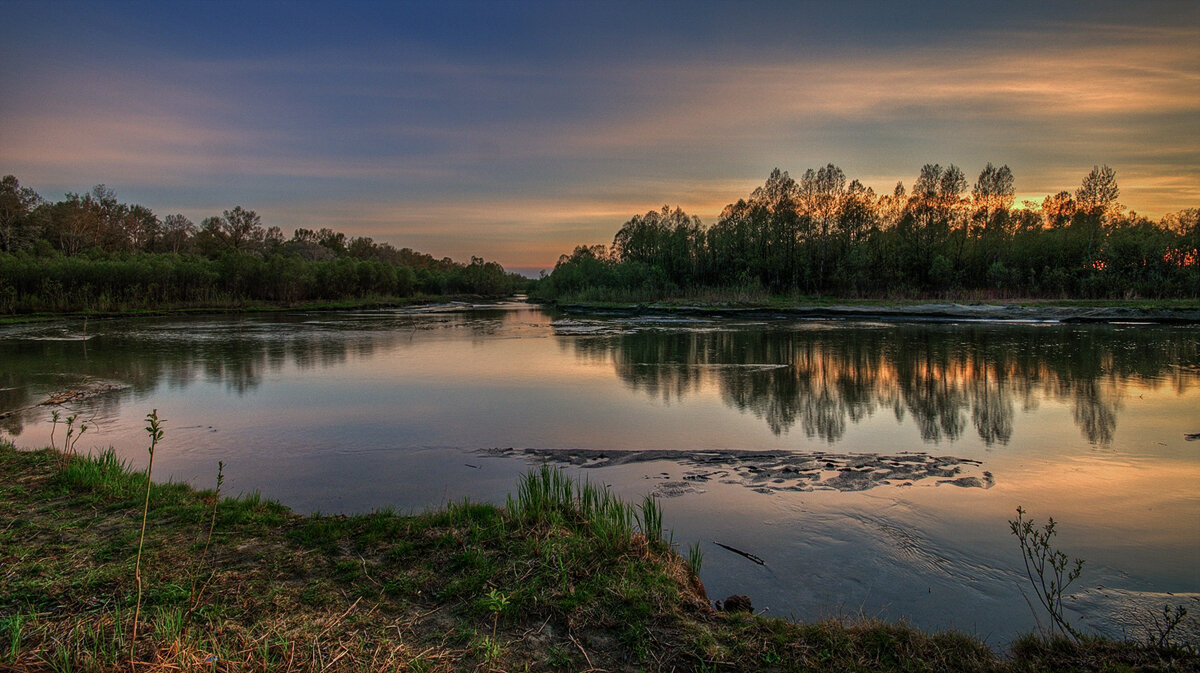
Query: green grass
point(565, 577)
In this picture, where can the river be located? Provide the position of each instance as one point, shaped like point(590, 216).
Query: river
point(872, 465)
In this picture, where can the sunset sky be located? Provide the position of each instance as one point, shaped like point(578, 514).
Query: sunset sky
point(516, 131)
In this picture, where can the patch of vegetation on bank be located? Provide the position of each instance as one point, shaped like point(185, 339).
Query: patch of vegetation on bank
point(564, 577)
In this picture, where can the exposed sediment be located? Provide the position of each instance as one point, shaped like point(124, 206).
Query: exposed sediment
point(771, 471)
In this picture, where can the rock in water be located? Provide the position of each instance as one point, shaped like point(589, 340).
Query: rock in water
point(736, 603)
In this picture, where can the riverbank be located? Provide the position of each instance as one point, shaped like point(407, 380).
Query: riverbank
point(549, 582)
point(1080, 311)
point(246, 307)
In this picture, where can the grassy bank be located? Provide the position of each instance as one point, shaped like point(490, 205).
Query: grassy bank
point(563, 577)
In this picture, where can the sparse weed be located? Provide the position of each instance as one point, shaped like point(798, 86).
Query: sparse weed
point(54, 416)
point(1050, 571)
point(168, 624)
point(154, 429)
point(695, 557)
point(197, 594)
point(488, 648)
point(495, 603)
point(1158, 632)
point(13, 627)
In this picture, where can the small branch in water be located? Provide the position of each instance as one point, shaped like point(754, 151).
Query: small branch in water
point(739, 552)
point(1191, 436)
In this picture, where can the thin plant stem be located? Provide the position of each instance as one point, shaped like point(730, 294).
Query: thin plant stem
point(212, 523)
point(155, 431)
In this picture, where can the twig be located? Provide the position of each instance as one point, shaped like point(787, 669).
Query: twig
point(352, 606)
point(532, 632)
point(366, 574)
point(581, 650)
point(739, 552)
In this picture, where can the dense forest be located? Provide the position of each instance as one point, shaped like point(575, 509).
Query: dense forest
point(824, 235)
point(92, 252)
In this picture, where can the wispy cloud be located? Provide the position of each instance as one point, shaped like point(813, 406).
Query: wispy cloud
point(521, 158)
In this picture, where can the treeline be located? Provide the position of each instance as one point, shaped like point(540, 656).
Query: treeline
point(93, 252)
point(824, 235)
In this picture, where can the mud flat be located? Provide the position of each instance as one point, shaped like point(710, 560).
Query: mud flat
point(771, 471)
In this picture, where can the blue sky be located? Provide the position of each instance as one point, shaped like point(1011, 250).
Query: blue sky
point(518, 130)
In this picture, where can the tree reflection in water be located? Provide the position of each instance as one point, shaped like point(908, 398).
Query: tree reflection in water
point(824, 377)
point(819, 377)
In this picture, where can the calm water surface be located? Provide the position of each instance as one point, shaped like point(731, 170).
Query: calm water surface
point(873, 466)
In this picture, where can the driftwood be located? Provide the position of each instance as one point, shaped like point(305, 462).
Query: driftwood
point(1192, 436)
point(81, 393)
point(739, 552)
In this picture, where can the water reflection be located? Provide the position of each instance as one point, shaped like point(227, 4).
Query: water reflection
point(944, 377)
point(236, 354)
point(821, 378)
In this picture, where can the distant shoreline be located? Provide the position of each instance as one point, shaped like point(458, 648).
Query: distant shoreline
point(1157, 313)
point(1175, 312)
point(241, 308)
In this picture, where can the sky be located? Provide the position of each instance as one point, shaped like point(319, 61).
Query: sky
point(518, 130)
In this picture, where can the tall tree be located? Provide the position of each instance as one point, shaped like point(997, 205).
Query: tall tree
point(20, 224)
point(243, 228)
point(822, 192)
point(1098, 193)
point(142, 227)
point(177, 231)
point(933, 211)
point(993, 190)
point(774, 215)
point(1058, 209)
point(74, 224)
point(110, 219)
point(668, 239)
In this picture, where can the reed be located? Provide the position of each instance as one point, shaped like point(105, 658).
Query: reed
point(695, 557)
